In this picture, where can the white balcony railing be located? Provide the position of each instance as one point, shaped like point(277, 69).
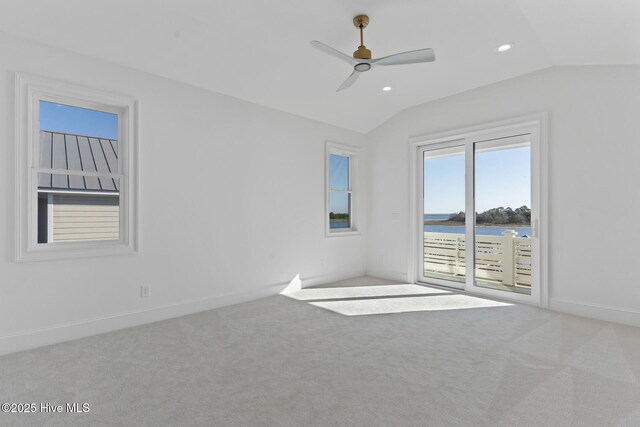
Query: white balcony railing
point(504, 260)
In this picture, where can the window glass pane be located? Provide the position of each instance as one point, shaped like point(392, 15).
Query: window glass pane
point(69, 214)
point(62, 118)
point(443, 214)
point(339, 209)
point(77, 139)
point(338, 172)
point(503, 215)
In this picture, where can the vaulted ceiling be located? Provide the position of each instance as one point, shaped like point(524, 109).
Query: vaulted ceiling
point(259, 50)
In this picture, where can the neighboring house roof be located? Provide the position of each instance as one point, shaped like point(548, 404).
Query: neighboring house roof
point(78, 153)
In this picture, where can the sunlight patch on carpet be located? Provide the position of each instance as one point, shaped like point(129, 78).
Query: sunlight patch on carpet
point(311, 294)
point(360, 307)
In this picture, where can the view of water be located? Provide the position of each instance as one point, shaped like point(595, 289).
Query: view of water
point(339, 224)
point(459, 229)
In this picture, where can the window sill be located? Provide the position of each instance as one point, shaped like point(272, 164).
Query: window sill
point(75, 251)
point(342, 233)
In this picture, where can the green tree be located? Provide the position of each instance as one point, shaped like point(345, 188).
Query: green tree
point(500, 215)
point(459, 217)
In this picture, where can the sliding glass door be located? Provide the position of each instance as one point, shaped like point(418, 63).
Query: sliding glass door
point(443, 224)
point(502, 188)
point(495, 249)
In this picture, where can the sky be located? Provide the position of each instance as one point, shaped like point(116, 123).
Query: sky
point(80, 121)
point(503, 178)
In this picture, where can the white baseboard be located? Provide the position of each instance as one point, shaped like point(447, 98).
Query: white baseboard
point(29, 339)
point(621, 315)
point(69, 331)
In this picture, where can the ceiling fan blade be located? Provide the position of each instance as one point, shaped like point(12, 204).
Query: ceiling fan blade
point(411, 57)
point(350, 81)
point(333, 52)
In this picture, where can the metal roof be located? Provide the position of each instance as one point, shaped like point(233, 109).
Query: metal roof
point(78, 153)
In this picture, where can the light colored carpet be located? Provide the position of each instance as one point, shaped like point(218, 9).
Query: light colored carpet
point(448, 360)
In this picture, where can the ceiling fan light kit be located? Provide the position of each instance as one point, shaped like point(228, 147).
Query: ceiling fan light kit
point(362, 60)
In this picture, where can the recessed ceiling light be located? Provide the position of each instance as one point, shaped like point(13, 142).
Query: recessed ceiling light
point(386, 88)
point(504, 47)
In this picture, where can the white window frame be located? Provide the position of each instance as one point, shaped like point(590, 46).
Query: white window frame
point(30, 90)
point(353, 153)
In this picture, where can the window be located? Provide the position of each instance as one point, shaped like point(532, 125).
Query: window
point(341, 195)
point(76, 171)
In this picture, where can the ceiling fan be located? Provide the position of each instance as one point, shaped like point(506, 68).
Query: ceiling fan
point(362, 61)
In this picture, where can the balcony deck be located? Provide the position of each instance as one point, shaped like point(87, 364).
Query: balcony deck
point(502, 262)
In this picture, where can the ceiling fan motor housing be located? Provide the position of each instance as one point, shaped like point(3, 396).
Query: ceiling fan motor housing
point(362, 53)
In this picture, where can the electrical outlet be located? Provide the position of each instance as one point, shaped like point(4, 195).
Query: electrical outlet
point(145, 291)
point(323, 262)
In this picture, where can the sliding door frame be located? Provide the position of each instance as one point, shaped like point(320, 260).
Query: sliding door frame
point(536, 126)
point(421, 150)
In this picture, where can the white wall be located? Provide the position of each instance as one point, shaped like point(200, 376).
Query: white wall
point(594, 180)
point(231, 208)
